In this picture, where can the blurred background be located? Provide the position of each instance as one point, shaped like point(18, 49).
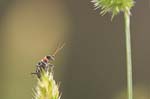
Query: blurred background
point(92, 64)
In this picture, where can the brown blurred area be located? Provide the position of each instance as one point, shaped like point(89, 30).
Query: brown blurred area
point(30, 29)
point(92, 64)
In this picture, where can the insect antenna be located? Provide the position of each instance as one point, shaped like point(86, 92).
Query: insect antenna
point(58, 48)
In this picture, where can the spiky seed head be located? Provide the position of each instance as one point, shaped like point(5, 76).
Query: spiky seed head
point(113, 6)
point(46, 87)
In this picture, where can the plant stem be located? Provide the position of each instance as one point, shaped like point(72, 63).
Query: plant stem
point(128, 55)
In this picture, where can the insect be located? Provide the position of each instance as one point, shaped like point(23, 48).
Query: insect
point(45, 63)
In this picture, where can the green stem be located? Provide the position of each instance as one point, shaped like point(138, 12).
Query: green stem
point(128, 56)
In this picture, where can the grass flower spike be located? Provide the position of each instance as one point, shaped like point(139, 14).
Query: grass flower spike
point(46, 87)
point(114, 6)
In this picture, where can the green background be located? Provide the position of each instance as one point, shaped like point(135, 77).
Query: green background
point(92, 64)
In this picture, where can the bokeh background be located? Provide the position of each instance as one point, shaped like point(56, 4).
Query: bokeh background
point(92, 64)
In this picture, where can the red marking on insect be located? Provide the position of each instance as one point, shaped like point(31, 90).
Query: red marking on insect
point(45, 59)
point(45, 64)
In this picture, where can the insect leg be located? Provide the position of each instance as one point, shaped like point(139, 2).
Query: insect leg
point(50, 67)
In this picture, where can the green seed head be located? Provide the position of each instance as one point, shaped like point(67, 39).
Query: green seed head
point(114, 6)
point(46, 87)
